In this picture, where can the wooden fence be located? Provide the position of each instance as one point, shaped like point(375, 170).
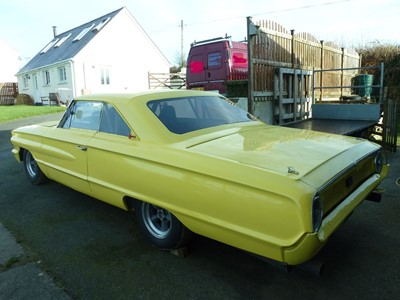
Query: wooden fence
point(271, 46)
point(8, 93)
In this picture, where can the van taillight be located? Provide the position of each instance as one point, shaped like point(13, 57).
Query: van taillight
point(238, 58)
point(196, 66)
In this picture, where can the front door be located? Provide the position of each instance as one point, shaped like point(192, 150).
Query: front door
point(36, 95)
point(66, 146)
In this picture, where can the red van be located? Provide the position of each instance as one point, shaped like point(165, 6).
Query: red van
point(211, 63)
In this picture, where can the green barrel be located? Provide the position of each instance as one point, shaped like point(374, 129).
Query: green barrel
point(365, 80)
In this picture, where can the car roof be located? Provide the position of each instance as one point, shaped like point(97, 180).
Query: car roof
point(141, 96)
point(133, 107)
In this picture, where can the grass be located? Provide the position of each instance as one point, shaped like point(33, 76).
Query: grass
point(14, 112)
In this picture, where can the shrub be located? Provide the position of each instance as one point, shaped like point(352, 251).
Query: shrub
point(390, 56)
point(24, 99)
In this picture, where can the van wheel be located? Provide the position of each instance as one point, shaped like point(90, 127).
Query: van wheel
point(32, 170)
point(161, 227)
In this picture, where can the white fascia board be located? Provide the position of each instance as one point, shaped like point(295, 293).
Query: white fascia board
point(63, 62)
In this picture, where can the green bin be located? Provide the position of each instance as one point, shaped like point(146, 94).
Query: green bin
point(365, 80)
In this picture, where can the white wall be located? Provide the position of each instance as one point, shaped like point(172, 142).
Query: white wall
point(123, 47)
point(63, 88)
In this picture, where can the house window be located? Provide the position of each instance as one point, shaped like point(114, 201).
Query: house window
point(82, 33)
point(105, 76)
point(26, 81)
point(49, 45)
point(46, 77)
point(62, 74)
point(101, 24)
point(63, 39)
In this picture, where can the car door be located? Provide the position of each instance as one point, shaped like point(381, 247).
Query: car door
point(110, 159)
point(66, 148)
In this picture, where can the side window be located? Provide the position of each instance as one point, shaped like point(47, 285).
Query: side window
point(82, 115)
point(112, 122)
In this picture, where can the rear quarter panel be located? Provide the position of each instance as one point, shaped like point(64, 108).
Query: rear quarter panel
point(211, 201)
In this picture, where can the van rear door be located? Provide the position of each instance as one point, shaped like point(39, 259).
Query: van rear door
point(196, 75)
point(217, 71)
point(208, 66)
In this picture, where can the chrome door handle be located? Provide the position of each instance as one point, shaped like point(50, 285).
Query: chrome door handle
point(80, 147)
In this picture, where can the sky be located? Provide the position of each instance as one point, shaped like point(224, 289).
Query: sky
point(26, 26)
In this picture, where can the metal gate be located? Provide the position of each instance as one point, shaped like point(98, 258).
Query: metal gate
point(389, 134)
point(167, 80)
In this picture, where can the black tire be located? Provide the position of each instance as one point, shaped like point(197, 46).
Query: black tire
point(32, 170)
point(161, 227)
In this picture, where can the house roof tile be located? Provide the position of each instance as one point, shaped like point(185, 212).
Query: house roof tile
point(68, 44)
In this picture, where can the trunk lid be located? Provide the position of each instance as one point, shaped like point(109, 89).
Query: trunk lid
point(287, 151)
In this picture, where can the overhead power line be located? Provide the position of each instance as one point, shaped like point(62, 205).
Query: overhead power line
point(301, 7)
point(271, 12)
point(170, 27)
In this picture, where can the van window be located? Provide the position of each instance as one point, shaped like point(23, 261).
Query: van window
point(214, 60)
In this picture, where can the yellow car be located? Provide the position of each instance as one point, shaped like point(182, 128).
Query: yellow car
point(191, 161)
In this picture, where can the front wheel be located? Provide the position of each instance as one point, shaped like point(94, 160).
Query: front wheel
point(161, 227)
point(32, 170)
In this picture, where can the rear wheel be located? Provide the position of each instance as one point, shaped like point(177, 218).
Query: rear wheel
point(32, 170)
point(161, 227)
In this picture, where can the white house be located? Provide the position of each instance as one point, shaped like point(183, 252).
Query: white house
point(110, 54)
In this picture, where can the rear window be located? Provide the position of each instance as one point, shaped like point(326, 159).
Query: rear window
point(214, 60)
point(182, 115)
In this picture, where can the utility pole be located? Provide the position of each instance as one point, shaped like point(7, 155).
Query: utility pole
point(182, 58)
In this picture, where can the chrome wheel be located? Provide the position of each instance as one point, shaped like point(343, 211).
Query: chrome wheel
point(160, 226)
point(157, 220)
point(32, 169)
point(31, 166)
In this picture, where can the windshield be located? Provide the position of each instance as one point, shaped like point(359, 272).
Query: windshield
point(182, 115)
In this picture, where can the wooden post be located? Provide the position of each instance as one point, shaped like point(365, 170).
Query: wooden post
point(15, 89)
point(250, 39)
point(293, 50)
point(342, 75)
point(295, 93)
point(322, 67)
point(277, 93)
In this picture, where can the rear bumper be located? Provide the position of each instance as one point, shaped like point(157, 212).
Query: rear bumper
point(311, 243)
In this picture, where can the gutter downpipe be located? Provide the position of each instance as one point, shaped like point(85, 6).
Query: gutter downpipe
point(73, 78)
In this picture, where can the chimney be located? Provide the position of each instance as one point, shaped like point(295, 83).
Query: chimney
point(54, 31)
